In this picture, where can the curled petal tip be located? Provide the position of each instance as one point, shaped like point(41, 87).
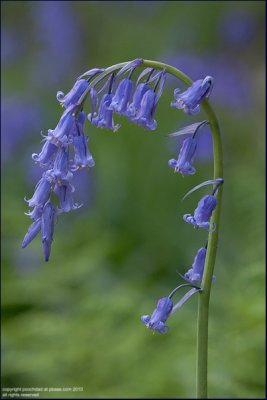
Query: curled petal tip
point(60, 95)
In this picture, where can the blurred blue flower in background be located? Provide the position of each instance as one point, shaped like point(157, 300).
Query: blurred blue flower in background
point(58, 38)
point(20, 118)
point(237, 27)
point(12, 46)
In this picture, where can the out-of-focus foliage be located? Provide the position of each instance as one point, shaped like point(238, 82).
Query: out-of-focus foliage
point(75, 320)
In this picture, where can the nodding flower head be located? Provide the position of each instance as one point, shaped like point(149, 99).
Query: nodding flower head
point(203, 213)
point(190, 99)
point(47, 227)
point(159, 316)
point(72, 98)
point(186, 156)
point(104, 118)
point(122, 96)
point(195, 273)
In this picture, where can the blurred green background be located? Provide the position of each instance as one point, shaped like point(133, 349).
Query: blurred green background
point(74, 321)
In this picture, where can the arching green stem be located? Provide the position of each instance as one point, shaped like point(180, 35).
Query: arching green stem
point(204, 294)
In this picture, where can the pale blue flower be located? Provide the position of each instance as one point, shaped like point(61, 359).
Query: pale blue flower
point(82, 156)
point(195, 273)
point(203, 213)
point(186, 156)
point(134, 107)
point(61, 165)
point(64, 191)
point(72, 98)
point(104, 118)
point(47, 153)
point(122, 96)
point(190, 99)
point(145, 114)
point(61, 133)
point(42, 192)
point(159, 316)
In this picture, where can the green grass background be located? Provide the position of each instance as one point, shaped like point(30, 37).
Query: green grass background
point(74, 322)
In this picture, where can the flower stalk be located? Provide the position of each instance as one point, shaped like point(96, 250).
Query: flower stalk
point(204, 294)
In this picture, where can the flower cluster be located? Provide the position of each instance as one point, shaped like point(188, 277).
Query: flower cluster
point(189, 102)
point(138, 103)
point(65, 148)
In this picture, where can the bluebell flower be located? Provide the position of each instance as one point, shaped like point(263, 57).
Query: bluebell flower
point(186, 156)
point(72, 98)
point(82, 156)
point(122, 96)
point(134, 107)
point(77, 127)
point(104, 118)
point(195, 273)
point(159, 316)
point(47, 227)
point(42, 192)
point(60, 134)
point(64, 191)
point(148, 100)
point(33, 230)
point(61, 165)
point(190, 99)
point(35, 213)
point(145, 115)
point(47, 153)
point(203, 213)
